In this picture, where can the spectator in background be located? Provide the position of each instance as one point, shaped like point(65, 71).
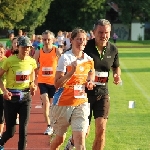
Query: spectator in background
point(20, 33)
point(25, 34)
point(60, 39)
point(14, 48)
point(9, 42)
point(92, 35)
point(88, 36)
point(33, 38)
point(38, 42)
point(115, 37)
point(55, 43)
point(32, 52)
point(67, 42)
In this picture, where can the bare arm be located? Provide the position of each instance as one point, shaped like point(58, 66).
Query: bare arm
point(36, 56)
point(1, 83)
point(33, 86)
point(116, 75)
point(116, 71)
point(61, 79)
point(6, 93)
point(32, 76)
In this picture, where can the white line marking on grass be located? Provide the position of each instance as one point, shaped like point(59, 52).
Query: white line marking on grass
point(136, 83)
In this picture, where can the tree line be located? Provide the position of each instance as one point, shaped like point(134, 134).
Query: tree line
point(55, 15)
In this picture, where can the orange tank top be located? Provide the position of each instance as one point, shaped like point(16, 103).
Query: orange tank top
point(48, 64)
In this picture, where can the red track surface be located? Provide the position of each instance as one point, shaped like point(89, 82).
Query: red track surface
point(36, 127)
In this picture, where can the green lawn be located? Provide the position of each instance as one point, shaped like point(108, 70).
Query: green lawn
point(4, 39)
point(128, 129)
point(133, 43)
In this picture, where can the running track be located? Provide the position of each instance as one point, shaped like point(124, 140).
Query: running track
point(36, 127)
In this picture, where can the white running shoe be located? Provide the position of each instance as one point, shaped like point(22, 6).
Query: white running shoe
point(17, 120)
point(49, 131)
point(70, 145)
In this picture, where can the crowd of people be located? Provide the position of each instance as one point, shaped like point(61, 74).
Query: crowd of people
point(71, 71)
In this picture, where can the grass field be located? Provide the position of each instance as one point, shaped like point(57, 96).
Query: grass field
point(133, 43)
point(129, 129)
point(3, 39)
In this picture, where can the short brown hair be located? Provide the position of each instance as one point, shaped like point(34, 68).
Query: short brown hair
point(76, 31)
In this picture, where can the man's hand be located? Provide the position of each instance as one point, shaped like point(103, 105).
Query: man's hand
point(117, 79)
point(7, 95)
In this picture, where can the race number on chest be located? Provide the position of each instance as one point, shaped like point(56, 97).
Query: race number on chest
point(79, 91)
point(22, 76)
point(101, 78)
point(47, 71)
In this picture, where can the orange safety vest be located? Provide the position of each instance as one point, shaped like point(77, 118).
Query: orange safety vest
point(48, 64)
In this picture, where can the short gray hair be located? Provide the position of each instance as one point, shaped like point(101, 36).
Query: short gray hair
point(101, 22)
point(48, 32)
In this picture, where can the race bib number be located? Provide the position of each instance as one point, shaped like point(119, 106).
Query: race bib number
point(79, 91)
point(101, 78)
point(47, 71)
point(22, 76)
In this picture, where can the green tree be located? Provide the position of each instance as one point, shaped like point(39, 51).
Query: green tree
point(135, 10)
point(35, 15)
point(12, 11)
point(68, 14)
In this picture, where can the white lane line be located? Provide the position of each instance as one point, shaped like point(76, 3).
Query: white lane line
point(38, 106)
point(135, 82)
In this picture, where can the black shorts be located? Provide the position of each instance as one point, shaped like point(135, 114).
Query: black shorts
point(1, 109)
point(47, 88)
point(99, 106)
